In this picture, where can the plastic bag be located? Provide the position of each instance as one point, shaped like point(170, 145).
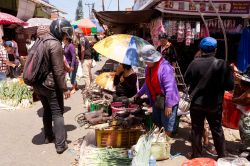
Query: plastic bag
point(160, 147)
point(231, 161)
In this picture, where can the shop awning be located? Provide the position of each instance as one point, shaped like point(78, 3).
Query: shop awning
point(121, 21)
point(43, 3)
point(114, 18)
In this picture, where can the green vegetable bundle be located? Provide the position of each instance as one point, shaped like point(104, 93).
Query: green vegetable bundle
point(106, 157)
point(13, 93)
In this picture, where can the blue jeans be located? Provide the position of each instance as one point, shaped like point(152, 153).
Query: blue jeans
point(161, 120)
point(72, 75)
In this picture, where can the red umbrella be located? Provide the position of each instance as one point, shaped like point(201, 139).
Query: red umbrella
point(9, 19)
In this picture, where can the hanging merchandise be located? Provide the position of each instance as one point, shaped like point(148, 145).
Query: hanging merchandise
point(172, 29)
point(197, 30)
point(181, 32)
point(193, 35)
point(204, 32)
point(188, 34)
point(156, 27)
point(244, 50)
point(166, 25)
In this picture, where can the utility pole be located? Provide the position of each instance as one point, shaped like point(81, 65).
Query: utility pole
point(103, 8)
point(118, 5)
point(90, 5)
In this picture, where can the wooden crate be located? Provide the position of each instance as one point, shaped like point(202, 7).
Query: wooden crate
point(117, 138)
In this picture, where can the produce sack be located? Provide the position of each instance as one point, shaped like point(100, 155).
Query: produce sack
point(200, 162)
point(231, 161)
point(160, 147)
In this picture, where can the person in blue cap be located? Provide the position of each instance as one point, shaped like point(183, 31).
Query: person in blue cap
point(209, 77)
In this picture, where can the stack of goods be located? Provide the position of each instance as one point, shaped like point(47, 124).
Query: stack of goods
point(15, 93)
point(94, 98)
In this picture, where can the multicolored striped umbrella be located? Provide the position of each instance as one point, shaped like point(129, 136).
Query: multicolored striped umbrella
point(122, 48)
point(86, 25)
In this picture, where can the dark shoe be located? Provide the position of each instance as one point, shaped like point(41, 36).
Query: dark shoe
point(48, 140)
point(60, 150)
point(248, 158)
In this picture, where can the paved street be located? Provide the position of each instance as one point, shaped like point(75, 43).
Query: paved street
point(21, 137)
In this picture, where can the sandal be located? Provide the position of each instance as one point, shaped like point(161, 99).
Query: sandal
point(210, 149)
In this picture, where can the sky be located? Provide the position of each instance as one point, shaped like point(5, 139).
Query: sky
point(69, 6)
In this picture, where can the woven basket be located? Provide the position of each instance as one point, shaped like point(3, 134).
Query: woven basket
point(119, 138)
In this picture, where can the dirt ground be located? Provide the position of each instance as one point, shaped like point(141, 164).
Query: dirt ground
point(21, 139)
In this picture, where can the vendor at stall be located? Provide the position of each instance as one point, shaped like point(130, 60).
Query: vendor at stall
point(167, 49)
point(161, 88)
point(242, 100)
point(13, 63)
point(125, 81)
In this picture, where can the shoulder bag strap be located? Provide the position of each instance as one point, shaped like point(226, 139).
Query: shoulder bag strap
point(204, 79)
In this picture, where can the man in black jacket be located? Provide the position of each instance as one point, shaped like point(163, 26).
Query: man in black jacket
point(208, 100)
point(51, 90)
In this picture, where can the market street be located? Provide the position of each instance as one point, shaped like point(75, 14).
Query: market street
point(124, 83)
point(22, 141)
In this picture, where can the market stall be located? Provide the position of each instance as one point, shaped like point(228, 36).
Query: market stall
point(186, 22)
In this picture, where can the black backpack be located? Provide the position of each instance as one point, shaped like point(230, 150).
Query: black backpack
point(35, 70)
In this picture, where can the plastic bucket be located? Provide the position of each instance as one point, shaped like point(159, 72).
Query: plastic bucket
point(231, 115)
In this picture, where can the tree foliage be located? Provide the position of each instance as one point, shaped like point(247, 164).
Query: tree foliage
point(79, 11)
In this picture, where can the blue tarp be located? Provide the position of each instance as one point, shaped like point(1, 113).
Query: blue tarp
point(244, 50)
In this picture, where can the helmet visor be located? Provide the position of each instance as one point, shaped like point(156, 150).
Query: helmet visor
point(68, 31)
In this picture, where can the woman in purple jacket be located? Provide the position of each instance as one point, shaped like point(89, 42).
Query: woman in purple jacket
point(70, 55)
point(160, 85)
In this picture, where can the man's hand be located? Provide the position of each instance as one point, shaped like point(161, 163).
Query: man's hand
point(66, 94)
point(71, 69)
point(168, 111)
point(133, 99)
point(121, 79)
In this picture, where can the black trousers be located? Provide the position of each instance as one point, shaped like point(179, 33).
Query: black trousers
point(198, 115)
point(53, 104)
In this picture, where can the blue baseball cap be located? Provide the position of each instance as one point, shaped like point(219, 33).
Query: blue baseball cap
point(8, 44)
point(208, 44)
point(150, 54)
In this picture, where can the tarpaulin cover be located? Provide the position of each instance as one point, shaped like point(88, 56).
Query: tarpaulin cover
point(114, 18)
